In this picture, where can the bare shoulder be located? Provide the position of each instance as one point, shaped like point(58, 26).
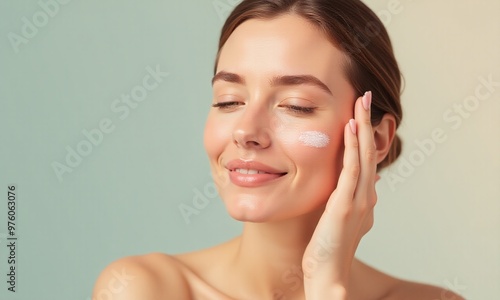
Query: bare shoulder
point(146, 277)
point(371, 283)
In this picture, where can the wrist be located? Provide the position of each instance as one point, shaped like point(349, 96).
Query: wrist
point(338, 292)
point(330, 292)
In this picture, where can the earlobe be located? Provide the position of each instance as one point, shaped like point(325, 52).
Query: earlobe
point(384, 134)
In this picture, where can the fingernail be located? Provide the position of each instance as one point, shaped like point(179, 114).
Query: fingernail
point(367, 100)
point(352, 124)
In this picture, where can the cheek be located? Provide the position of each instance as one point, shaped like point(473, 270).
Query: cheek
point(306, 136)
point(312, 149)
point(315, 139)
point(215, 137)
point(317, 157)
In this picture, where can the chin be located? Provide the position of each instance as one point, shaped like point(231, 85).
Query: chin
point(250, 218)
point(250, 208)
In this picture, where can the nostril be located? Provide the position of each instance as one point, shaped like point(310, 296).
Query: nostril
point(251, 139)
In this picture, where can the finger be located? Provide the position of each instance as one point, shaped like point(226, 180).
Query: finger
point(349, 175)
point(367, 149)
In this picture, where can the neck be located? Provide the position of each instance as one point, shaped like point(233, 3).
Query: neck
point(270, 254)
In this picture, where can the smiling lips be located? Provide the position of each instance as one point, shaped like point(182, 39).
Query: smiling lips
point(251, 173)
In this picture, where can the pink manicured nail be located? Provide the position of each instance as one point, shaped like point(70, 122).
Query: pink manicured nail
point(352, 124)
point(367, 100)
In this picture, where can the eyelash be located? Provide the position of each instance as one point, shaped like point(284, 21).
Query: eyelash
point(300, 109)
point(225, 105)
point(293, 108)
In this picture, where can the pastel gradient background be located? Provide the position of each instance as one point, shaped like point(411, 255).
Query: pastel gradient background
point(145, 185)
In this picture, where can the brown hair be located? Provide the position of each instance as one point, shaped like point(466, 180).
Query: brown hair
point(354, 29)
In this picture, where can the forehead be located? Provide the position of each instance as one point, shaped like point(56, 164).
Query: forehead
point(285, 44)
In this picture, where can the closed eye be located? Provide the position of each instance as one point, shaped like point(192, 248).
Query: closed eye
point(226, 105)
point(299, 109)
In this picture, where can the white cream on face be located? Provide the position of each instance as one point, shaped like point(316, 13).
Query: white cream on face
point(314, 139)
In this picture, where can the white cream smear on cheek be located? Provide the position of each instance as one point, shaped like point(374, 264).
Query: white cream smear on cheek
point(314, 139)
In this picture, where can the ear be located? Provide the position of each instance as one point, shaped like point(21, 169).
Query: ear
point(383, 134)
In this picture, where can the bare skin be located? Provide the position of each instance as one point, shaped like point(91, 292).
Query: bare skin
point(324, 196)
point(195, 276)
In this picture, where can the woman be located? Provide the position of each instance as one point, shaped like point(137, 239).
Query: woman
point(306, 102)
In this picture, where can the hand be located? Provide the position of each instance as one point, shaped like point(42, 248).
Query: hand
point(348, 215)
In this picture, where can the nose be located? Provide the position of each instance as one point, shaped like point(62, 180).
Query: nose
point(252, 131)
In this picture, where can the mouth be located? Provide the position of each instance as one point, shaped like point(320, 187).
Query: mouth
point(252, 173)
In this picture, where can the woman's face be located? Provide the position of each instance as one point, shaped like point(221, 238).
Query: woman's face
point(282, 102)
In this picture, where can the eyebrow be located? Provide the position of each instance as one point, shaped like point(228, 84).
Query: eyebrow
point(281, 80)
point(228, 77)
